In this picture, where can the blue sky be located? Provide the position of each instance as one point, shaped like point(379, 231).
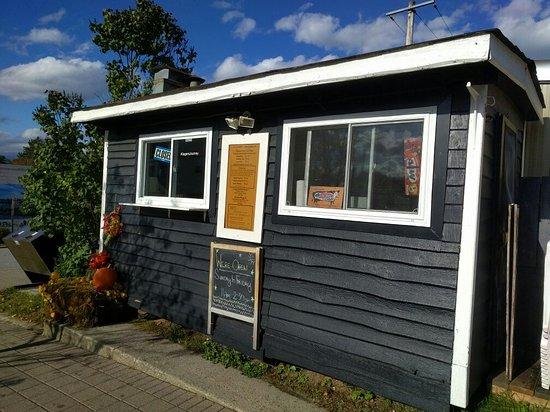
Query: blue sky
point(47, 44)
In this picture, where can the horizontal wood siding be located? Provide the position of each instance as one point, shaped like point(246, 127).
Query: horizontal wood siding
point(373, 309)
point(386, 300)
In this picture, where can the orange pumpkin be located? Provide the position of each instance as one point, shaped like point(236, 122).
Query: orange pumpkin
point(104, 278)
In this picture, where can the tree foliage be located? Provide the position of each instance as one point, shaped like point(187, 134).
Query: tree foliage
point(63, 185)
point(141, 39)
point(4, 159)
point(26, 156)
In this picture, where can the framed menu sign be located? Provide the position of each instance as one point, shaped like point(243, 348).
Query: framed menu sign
point(242, 186)
point(234, 286)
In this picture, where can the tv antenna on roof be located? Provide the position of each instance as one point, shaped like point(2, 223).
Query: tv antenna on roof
point(411, 10)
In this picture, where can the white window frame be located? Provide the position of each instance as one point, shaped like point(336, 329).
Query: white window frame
point(428, 115)
point(169, 202)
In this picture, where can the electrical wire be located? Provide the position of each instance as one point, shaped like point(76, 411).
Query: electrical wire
point(397, 24)
point(425, 24)
point(443, 18)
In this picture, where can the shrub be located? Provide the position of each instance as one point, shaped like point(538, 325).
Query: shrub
point(73, 259)
point(75, 301)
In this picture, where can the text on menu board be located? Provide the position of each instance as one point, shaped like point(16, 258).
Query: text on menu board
point(242, 177)
point(233, 281)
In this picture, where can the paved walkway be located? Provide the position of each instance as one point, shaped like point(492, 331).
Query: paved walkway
point(39, 374)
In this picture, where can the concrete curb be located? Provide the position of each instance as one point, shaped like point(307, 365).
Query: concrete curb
point(169, 362)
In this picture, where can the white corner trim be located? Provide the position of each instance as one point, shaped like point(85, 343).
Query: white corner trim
point(103, 187)
point(465, 291)
point(450, 53)
point(517, 70)
point(237, 234)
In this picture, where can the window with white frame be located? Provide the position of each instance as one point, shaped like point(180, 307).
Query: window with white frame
point(174, 170)
point(371, 167)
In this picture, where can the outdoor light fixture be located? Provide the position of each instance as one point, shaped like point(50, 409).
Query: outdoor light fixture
point(244, 121)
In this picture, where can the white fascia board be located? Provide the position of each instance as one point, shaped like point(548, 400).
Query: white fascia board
point(543, 70)
point(517, 70)
point(451, 53)
point(467, 260)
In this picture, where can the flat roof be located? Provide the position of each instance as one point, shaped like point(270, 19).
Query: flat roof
point(483, 46)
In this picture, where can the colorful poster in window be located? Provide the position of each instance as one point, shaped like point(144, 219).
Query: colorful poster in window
point(242, 179)
point(328, 197)
point(162, 154)
point(412, 156)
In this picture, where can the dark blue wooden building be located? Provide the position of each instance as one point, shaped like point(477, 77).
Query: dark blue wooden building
point(387, 179)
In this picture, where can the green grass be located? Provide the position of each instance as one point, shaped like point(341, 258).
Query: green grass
point(506, 402)
point(21, 304)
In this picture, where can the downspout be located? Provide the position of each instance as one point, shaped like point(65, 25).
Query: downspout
point(103, 187)
point(465, 290)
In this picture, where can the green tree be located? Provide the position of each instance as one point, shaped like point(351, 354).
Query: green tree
point(26, 156)
point(63, 185)
point(141, 39)
point(4, 159)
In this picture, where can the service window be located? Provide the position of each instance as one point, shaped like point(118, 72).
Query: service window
point(174, 170)
point(371, 167)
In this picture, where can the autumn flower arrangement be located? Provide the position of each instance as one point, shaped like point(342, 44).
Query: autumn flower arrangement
point(112, 225)
point(86, 301)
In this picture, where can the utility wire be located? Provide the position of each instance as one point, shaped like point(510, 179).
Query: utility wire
point(425, 24)
point(443, 18)
point(397, 24)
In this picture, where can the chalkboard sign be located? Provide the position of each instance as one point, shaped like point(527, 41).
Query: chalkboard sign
point(234, 287)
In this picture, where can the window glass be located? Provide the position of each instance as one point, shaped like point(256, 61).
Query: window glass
point(189, 168)
point(385, 167)
point(317, 166)
point(382, 168)
point(157, 168)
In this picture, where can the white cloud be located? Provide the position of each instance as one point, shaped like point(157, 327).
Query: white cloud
point(244, 27)
point(527, 24)
point(32, 133)
point(45, 36)
point(325, 31)
point(222, 4)
point(306, 6)
point(231, 15)
point(29, 81)
point(83, 48)
point(39, 36)
point(11, 145)
point(52, 17)
point(233, 66)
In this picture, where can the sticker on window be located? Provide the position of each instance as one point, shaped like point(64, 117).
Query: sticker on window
point(412, 158)
point(330, 197)
point(162, 154)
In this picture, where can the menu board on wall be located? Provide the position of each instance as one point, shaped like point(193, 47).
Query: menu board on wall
point(243, 169)
point(234, 286)
point(242, 177)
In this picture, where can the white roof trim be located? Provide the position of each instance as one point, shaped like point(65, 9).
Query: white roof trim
point(450, 53)
point(516, 69)
point(543, 70)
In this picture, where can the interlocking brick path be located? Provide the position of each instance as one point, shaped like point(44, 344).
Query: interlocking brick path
point(38, 374)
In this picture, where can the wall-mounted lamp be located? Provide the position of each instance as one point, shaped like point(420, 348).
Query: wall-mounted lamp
point(244, 121)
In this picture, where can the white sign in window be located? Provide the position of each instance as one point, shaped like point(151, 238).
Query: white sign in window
point(371, 167)
point(174, 170)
